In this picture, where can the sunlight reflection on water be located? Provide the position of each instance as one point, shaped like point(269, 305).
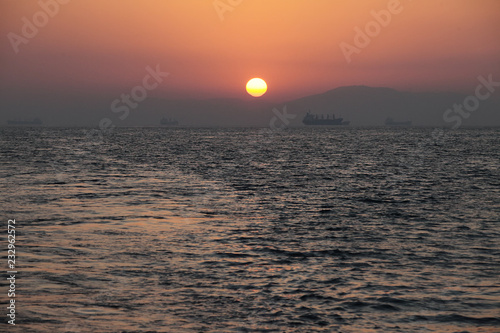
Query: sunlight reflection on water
point(312, 236)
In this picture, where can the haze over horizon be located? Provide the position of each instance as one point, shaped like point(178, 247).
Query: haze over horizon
point(59, 56)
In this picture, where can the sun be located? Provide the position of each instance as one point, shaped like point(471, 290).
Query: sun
point(256, 87)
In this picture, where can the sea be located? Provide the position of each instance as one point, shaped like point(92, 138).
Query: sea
point(251, 230)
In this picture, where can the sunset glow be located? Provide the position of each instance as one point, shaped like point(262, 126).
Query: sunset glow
point(256, 87)
point(105, 46)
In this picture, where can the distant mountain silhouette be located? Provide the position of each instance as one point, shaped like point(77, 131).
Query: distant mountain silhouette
point(361, 105)
point(371, 106)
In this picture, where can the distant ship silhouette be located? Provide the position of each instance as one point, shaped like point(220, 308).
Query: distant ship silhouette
point(168, 122)
point(390, 122)
point(35, 121)
point(313, 119)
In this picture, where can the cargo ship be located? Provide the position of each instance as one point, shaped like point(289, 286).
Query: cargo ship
point(168, 122)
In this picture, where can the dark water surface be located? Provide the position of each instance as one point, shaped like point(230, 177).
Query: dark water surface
point(232, 230)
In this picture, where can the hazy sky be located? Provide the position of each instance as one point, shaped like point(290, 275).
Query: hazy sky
point(295, 45)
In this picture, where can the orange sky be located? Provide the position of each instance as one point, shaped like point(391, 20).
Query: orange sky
point(95, 46)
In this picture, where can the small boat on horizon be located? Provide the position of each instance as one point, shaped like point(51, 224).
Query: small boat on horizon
point(168, 122)
point(328, 120)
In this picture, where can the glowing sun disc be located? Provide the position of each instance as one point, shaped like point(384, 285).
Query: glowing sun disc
point(256, 87)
